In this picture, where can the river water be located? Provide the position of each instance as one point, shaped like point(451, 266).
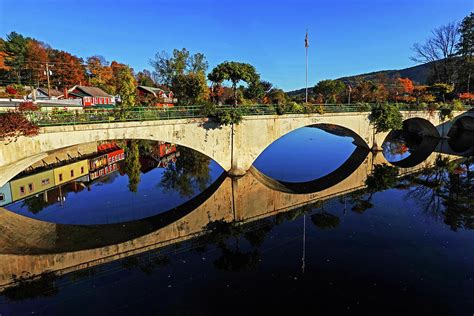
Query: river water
point(318, 225)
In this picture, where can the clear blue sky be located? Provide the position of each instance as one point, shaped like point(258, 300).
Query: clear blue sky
point(346, 36)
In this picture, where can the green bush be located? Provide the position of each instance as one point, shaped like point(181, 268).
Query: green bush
point(386, 117)
point(222, 115)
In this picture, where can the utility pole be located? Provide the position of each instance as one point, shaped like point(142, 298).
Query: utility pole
point(49, 84)
point(306, 45)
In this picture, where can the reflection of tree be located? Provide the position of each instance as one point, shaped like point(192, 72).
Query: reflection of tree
point(325, 220)
point(27, 288)
point(191, 170)
point(35, 204)
point(447, 191)
point(236, 260)
point(219, 232)
point(133, 165)
point(383, 177)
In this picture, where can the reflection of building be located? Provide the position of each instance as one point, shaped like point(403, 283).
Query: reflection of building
point(70, 172)
point(30, 185)
point(5, 195)
point(47, 177)
point(160, 156)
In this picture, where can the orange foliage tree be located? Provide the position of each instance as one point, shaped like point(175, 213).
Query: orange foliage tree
point(67, 69)
point(36, 59)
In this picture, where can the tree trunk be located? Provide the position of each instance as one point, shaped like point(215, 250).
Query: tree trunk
point(234, 86)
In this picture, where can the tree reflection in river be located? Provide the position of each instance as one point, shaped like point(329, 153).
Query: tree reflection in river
point(133, 165)
point(446, 192)
point(190, 172)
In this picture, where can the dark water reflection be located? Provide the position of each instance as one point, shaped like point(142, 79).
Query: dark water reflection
point(394, 245)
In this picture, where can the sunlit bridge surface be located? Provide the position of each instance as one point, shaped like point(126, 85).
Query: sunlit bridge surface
point(159, 228)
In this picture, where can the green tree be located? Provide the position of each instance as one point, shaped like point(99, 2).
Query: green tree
point(466, 51)
point(234, 72)
point(16, 49)
point(183, 73)
point(330, 90)
point(386, 117)
point(126, 88)
point(190, 88)
point(278, 96)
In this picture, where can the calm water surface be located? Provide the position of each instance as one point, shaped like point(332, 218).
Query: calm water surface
point(394, 246)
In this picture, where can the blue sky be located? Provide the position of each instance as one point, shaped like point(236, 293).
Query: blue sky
point(346, 36)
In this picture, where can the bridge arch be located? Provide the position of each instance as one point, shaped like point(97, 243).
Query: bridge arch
point(213, 142)
point(255, 134)
point(461, 135)
point(420, 126)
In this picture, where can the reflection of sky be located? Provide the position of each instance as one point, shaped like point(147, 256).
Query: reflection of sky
point(113, 202)
point(305, 154)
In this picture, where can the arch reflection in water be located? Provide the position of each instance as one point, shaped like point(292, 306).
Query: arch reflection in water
point(407, 149)
point(302, 155)
point(112, 182)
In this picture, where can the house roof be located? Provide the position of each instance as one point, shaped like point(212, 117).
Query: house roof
point(54, 92)
point(152, 90)
point(88, 91)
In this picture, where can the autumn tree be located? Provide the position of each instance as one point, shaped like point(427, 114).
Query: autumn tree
point(68, 70)
point(36, 59)
point(100, 74)
point(234, 72)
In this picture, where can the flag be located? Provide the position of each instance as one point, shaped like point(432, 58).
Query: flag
point(306, 42)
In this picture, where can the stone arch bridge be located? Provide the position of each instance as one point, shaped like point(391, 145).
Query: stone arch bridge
point(234, 147)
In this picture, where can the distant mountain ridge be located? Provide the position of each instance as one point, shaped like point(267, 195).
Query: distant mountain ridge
point(418, 74)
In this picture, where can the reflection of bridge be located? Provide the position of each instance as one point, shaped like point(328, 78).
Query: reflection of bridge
point(28, 245)
point(234, 147)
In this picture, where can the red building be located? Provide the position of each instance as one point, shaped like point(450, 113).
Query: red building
point(90, 96)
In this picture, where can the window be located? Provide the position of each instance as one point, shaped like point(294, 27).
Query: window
point(45, 182)
point(82, 170)
point(72, 173)
point(22, 190)
point(30, 187)
point(2, 197)
point(60, 177)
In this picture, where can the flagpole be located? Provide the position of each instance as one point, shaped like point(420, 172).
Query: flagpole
point(306, 46)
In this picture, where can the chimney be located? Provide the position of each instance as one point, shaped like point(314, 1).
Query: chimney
point(65, 93)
